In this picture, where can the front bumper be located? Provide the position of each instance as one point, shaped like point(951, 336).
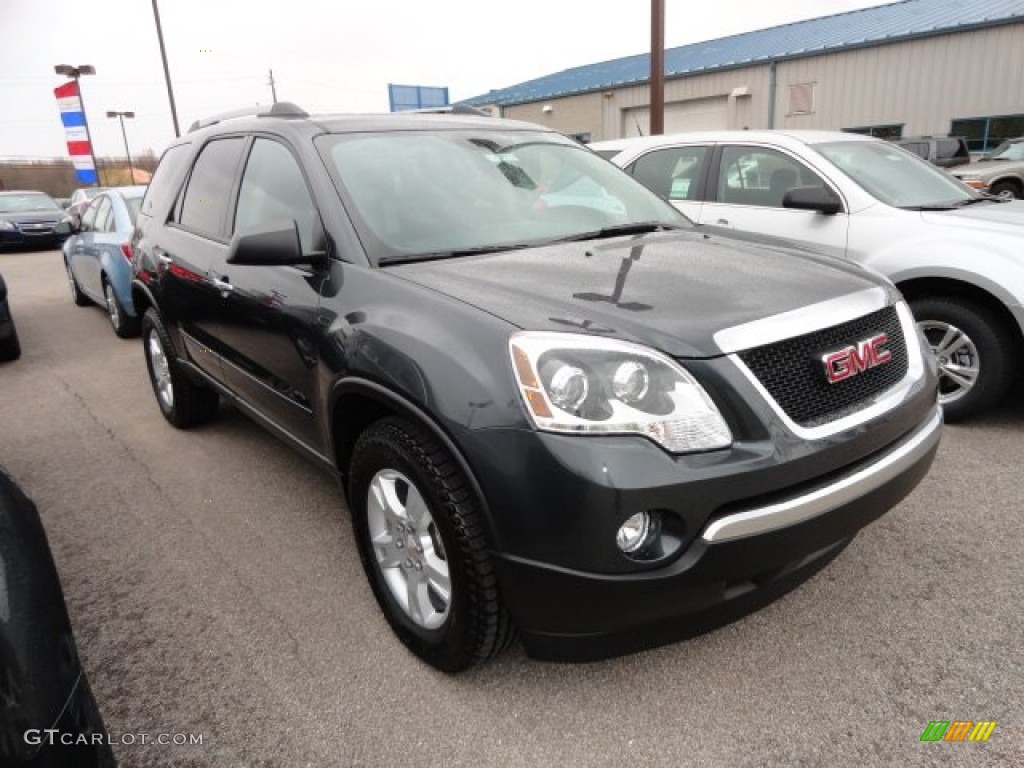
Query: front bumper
point(742, 558)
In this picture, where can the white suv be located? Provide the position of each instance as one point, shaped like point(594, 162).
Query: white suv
point(957, 254)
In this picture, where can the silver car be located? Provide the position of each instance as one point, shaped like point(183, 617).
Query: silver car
point(956, 253)
point(1000, 172)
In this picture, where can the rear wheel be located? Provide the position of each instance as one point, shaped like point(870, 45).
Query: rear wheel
point(421, 541)
point(183, 402)
point(974, 352)
point(124, 324)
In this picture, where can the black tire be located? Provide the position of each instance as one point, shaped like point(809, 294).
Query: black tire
point(80, 299)
point(474, 625)
point(1009, 188)
point(125, 326)
point(10, 348)
point(182, 402)
point(981, 342)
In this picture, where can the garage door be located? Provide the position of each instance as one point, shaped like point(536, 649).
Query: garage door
point(693, 115)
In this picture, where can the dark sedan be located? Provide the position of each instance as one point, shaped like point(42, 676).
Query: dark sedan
point(30, 219)
point(48, 716)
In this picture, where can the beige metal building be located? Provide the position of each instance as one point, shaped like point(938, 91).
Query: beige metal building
point(918, 67)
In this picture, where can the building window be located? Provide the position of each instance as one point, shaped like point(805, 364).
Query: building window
point(879, 131)
point(801, 99)
point(986, 133)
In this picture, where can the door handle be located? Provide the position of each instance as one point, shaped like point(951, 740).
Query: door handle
point(223, 286)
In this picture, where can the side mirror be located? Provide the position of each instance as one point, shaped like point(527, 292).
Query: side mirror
point(275, 243)
point(65, 226)
point(820, 199)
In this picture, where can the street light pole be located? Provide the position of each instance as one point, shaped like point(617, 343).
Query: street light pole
point(124, 134)
point(75, 73)
point(167, 71)
point(657, 67)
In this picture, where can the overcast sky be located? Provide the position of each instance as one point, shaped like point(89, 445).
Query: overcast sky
point(327, 55)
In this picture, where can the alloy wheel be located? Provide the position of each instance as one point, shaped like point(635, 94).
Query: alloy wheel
point(161, 369)
point(407, 549)
point(957, 356)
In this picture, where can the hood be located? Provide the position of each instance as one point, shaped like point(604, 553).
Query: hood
point(32, 217)
point(672, 291)
point(984, 169)
point(985, 218)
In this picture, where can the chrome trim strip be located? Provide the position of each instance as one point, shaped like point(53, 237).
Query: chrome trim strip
point(797, 322)
point(883, 402)
point(809, 505)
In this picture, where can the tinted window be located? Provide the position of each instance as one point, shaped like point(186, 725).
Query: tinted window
point(672, 173)
point(273, 189)
point(164, 184)
point(757, 176)
point(206, 197)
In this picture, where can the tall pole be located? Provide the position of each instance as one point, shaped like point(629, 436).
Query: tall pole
point(273, 90)
point(657, 67)
point(167, 71)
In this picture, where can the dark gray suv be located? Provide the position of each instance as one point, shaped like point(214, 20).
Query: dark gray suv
point(557, 410)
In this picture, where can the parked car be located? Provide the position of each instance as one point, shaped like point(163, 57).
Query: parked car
point(80, 200)
point(556, 408)
point(29, 218)
point(1000, 172)
point(98, 256)
point(952, 251)
point(943, 151)
point(10, 348)
point(49, 715)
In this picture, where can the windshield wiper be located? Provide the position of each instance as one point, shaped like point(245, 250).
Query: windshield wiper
point(952, 205)
point(636, 228)
point(406, 258)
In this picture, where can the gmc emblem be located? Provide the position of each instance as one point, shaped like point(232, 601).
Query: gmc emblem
point(847, 363)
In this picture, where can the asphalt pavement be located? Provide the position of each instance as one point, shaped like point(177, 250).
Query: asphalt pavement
point(215, 591)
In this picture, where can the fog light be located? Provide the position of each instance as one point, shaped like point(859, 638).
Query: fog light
point(634, 533)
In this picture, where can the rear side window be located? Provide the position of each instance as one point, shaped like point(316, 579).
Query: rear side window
point(104, 217)
point(919, 148)
point(163, 187)
point(205, 205)
point(952, 149)
point(672, 173)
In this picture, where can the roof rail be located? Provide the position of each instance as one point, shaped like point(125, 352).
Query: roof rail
point(454, 109)
point(278, 109)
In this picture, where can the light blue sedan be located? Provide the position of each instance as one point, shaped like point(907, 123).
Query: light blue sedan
point(98, 256)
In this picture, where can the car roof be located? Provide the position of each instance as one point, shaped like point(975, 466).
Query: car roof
point(780, 137)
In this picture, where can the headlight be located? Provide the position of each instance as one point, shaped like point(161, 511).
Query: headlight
point(973, 181)
point(587, 384)
point(4, 224)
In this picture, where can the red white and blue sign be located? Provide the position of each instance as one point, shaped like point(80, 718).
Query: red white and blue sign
point(75, 130)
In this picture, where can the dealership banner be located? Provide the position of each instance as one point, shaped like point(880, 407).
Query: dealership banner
point(73, 117)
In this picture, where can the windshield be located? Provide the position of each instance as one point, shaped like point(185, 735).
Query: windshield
point(30, 202)
point(1008, 150)
point(895, 176)
point(446, 193)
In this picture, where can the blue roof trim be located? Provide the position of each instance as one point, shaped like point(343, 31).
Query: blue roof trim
point(853, 29)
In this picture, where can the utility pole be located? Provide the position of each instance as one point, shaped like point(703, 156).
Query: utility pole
point(273, 90)
point(657, 67)
point(167, 71)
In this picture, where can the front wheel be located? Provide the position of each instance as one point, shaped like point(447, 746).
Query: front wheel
point(182, 402)
point(974, 352)
point(422, 546)
point(1006, 189)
